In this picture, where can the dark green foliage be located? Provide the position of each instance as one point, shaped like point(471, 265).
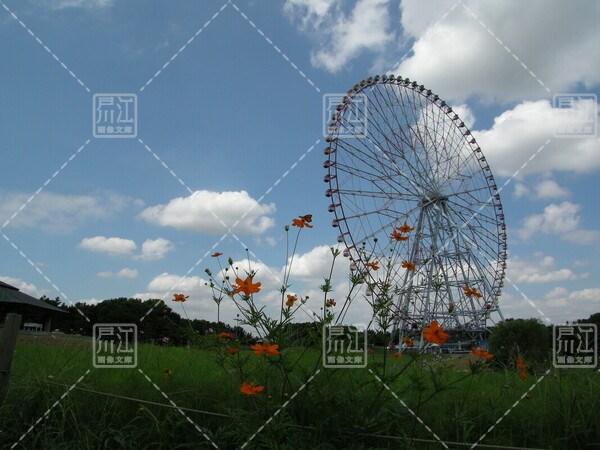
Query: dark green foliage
point(511, 338)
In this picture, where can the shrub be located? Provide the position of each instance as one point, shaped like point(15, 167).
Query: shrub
point(513, 337)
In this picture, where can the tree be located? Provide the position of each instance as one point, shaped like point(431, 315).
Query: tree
point(511, 338)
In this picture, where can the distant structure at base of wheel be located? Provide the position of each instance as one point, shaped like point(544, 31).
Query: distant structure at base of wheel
point(416, 206)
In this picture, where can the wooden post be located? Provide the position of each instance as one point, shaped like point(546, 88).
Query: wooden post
point(7, 348)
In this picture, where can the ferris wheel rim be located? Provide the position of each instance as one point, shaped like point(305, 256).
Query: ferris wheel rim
point(338, 206)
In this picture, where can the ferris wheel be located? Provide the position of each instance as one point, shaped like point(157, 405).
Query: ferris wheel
point(416, 206)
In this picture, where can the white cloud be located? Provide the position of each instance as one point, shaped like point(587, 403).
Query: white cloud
point(314, 265)
point(465, 114)
point(112, 246)
point(520, 190)
point(309, 13)
point(153, 249)
point(538, 269)
point(87, 4)
point(549, 189)
point(519, 132)
point(123, 273)
point(558, 219)
point(53, 212)
point(585, 301)
point(457, 58)
point(581, 263)
point(197, 213)
point(545, 189)
point(89, 301)
point(343, 36)
point(27, 288)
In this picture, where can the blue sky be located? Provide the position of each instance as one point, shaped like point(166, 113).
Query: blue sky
point(230, 115)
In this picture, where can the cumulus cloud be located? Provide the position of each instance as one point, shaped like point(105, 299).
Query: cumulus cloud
point(123, 273)
point(584, 301)
point(23, 286)
point(341, 35)
point(520, 190)
point(309, 13)
point(549, 189)
point(112, 245)
point(89, 301)
point(519, 132)
point(465, 114)
point(458, 58)
point(539, 269)
point(53, 212)
point(213, 212)
point(87, 4)
point(558, 219)
point(545, 189)
point(153, 249)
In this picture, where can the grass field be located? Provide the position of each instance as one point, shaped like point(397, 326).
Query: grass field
point(338, 408)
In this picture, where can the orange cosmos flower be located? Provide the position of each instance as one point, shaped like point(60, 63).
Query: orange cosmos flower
point(265, 347)
point(435, 334)
point(214, 255)
point(180, 297)
point(330, 302)
point(473, 291)
point(523, 367)
point(250, 389)
point(404, 228)
point(408, 266)
point(396, 355)
point(300, 223)
point(481, 352)
point(373, 265)
point(398, 236)
point(233, 351)
point(408, 342)
point(223, 335)
point(245, 286)
point(290, 300)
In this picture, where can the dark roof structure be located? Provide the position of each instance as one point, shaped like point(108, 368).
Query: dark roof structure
point(13, 300)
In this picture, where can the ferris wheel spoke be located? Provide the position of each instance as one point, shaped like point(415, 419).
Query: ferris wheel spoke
point(377, 194)
point(411, 179)
point(408, 141)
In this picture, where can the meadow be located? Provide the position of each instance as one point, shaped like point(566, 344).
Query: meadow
point(458, 399)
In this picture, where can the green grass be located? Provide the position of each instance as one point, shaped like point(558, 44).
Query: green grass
point(335, 410)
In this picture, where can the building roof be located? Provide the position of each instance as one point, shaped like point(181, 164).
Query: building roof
point(11, 297)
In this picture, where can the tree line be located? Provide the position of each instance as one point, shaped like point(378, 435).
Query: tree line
point(511, 337)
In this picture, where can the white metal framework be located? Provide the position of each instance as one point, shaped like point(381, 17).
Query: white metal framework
point(414, 164)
